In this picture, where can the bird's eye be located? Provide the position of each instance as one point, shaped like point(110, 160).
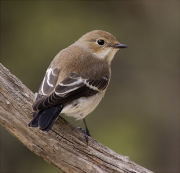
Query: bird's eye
point(100, 42)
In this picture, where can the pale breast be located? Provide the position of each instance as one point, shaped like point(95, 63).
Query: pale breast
point(83, 106)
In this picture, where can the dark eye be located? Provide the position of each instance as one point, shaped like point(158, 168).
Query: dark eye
point(100, 42)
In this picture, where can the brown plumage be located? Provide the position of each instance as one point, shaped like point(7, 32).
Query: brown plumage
point(76, 79)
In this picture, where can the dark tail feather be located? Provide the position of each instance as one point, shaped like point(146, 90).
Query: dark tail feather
point(35, 120)
point(48, 117)
point(45, 119)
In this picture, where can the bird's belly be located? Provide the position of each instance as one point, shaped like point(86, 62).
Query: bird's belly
point(83, 106)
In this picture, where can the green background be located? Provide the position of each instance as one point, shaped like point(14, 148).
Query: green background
point(139, 116)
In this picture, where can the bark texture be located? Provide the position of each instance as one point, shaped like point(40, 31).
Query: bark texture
point(64, 146)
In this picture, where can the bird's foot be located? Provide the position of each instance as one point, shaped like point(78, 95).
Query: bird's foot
point(86, 132)
point(82, 130)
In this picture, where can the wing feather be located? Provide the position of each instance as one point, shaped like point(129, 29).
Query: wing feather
point(49, 81)
point(72, 87)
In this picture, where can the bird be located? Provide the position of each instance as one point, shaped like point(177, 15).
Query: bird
point(76, 80)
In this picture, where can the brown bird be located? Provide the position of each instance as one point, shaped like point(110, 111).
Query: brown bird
point(76, 80)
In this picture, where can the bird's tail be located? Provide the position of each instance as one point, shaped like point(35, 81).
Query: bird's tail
point(45, 119)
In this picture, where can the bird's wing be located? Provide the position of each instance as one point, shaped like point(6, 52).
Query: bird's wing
point(49, 82)
point(72, 87)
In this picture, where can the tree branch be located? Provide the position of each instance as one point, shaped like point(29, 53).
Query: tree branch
point(64, 146)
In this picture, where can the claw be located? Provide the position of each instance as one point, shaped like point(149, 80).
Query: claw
point(82, 130)
point(85, 132)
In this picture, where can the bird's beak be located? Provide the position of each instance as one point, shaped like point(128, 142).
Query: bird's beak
point(119, 45)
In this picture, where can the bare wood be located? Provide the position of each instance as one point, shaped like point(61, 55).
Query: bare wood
point(64, 146)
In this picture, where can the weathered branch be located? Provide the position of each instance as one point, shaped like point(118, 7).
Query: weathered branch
point(64, 146)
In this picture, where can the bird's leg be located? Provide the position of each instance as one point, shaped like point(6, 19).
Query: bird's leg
point(85, 131)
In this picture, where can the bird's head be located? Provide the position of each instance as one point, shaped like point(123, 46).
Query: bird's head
point(100, 43)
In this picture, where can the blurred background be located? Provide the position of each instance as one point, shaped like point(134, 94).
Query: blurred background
point(139, 116)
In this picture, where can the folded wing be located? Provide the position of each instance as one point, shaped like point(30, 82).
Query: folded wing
point(72, 87)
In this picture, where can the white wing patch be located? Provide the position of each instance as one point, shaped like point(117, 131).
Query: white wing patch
point(49, 81)
point(80, 80)
point(65, 92)
point(67, 87)
point(49, 71)
point(105, 77)
point(90, 86)
point(43, 86)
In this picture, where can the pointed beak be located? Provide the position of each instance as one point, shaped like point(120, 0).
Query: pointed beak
point(119, 45)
